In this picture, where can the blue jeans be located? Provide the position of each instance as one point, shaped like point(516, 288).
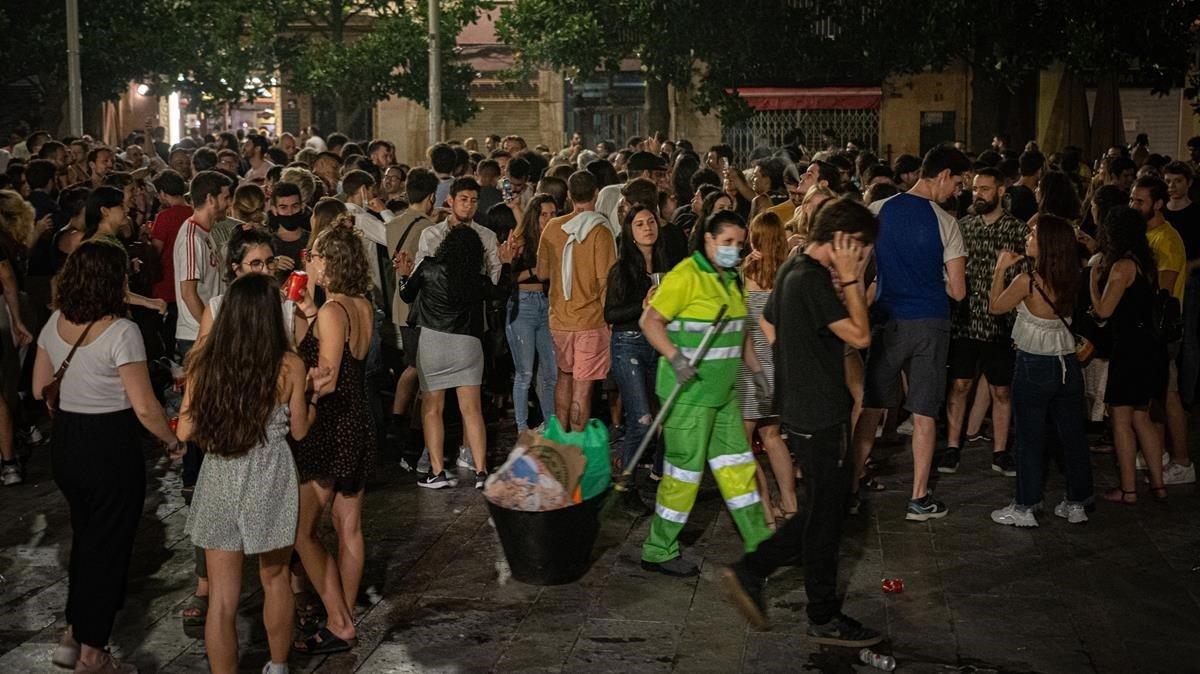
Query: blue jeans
point(1049, 389)
point(634, 364)
point(529, 336)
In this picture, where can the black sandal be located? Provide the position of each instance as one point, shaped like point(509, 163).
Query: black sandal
point(871, 484)
point(309, 612)
point(323, 642)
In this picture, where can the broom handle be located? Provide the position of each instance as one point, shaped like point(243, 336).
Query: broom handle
point(709, 335)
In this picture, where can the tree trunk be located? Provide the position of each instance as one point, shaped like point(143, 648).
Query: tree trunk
point(658, 106)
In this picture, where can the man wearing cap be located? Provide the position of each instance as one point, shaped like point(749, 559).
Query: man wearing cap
point(641, 165)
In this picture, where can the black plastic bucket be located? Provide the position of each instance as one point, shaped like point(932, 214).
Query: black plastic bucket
point(552, 547)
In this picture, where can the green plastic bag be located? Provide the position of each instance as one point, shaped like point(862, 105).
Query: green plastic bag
point(593, 440)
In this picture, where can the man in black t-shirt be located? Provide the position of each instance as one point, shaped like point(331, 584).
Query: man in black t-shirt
point(810, 328)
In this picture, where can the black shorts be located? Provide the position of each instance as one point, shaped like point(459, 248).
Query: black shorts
point(996, 360)
point(408, 342)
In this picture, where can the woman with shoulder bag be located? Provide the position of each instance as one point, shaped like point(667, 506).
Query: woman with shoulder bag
point(1048, 381)
point(91, 369)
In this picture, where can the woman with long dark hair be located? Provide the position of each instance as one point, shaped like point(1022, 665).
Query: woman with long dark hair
point(246, 391)
point(641, 258)
point(1122, 288)
point(447, 292)
point(1048, 381)
point(335, 459)
point(769, 249)
point(106, 215)
point(714, 203)
point(95, 443)
point(528, 325)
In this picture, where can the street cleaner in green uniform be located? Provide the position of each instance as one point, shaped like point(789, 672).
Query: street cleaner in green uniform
point(705, 423)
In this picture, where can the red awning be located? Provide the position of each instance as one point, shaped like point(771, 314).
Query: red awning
point(821, 98)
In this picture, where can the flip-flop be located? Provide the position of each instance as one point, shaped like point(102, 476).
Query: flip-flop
point(323, 642)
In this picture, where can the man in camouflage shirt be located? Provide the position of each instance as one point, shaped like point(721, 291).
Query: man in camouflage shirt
point(981, 342)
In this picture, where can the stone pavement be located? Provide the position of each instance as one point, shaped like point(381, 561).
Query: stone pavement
point(1114, 595)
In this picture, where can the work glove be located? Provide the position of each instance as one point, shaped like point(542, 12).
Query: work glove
point(684, 371)
point(762, 385)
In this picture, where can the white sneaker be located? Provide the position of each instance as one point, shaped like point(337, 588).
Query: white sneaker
point(1015, 516)
point(905, 427)
point(423, 466)
point(1071, 512)
point(35, 437)
point(465, 460)
point(1174, 473)
point(1141, 461)
point(10, 474)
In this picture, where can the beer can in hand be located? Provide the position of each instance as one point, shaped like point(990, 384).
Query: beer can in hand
point(296, 283)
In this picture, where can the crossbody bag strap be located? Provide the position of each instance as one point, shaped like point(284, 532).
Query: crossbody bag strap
point(1045, 297)
point(62, 369)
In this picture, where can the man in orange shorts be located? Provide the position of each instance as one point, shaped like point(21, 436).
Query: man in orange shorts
point(575, 253)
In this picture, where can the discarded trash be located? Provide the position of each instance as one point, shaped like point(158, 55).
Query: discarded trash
point(869, 657)
point(539, 475)
point(893, 585)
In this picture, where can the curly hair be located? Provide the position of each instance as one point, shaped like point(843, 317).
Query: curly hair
point(91, 285)
point(1125, 237)
point(346, 270)
point(233, 374)
point(16, 220)
point(462, 253)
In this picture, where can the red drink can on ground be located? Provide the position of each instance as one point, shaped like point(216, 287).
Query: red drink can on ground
point(296, 283)
point(893, 585)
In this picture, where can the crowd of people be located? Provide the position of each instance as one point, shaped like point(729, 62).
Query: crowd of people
point(315, 301)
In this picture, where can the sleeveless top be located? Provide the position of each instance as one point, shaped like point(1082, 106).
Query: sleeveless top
point(1041, 336)
point(341, 443)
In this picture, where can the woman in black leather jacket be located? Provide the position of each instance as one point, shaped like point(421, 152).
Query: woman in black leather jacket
point(641, 261)
point(448, 291)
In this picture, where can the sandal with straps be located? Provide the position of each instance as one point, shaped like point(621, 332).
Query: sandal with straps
point(1118, 495)
point(1159, 493)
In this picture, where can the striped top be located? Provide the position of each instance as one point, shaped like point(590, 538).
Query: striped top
point(754, 407)
point(689, 297)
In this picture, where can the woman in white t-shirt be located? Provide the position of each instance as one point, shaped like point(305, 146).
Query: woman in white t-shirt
point(96, 448)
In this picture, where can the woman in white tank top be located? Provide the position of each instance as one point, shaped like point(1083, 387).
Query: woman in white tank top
point(1048, 382)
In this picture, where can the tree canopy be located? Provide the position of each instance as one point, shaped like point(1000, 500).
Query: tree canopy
point(351, 53)
point(848, 41)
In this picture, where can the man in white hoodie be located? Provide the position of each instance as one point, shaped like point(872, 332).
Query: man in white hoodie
point(575, 253)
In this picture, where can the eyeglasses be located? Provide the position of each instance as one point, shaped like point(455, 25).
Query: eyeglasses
point(259, 265)
point(307, 255)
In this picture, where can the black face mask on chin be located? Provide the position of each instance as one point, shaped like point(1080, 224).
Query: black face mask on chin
point(289, 222)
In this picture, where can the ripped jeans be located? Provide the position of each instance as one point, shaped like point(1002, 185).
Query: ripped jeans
point(529, 336)
point(634, 365)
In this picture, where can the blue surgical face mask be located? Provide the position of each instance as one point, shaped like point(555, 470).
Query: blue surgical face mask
point(728, 256)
